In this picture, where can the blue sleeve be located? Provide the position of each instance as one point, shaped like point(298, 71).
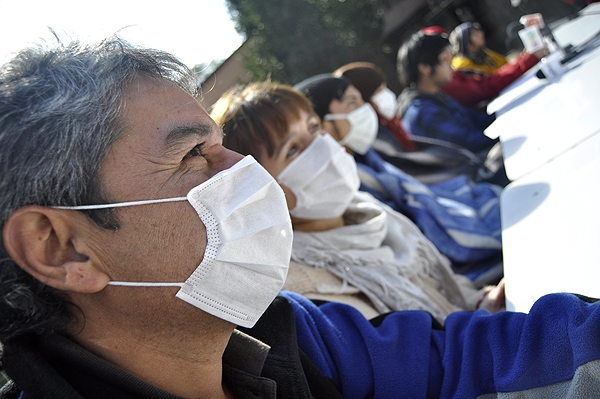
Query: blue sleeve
point(361, 359)
point(476, 353)
point(481, 120)
point(459, 126)
point(512, 352)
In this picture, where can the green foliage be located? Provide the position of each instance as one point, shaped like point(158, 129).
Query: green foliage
point(290, 40)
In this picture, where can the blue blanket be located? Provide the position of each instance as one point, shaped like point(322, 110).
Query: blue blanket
point(460, 217)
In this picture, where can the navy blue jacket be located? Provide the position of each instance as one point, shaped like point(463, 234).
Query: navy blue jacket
point(440, 117)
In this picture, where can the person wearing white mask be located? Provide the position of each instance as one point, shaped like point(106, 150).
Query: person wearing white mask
point(427, 159)
point(348, 246)
point(343, 112)
point(371, 82)
point(461, 217)
point(142, 259)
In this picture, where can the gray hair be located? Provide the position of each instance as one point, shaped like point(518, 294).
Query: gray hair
point(59, 115)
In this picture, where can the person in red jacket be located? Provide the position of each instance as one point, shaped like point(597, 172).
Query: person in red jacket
point(476, 90)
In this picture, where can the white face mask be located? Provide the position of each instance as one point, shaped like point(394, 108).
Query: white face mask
point(249, 243)
point(363, 128)
point(386, 102)
point(323, 178)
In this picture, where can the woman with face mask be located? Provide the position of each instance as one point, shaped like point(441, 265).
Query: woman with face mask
point(371, 82)
point(460, 217)
point(348, 246)
point(428, 160)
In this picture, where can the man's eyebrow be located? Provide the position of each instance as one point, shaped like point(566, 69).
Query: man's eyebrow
point(181, 132)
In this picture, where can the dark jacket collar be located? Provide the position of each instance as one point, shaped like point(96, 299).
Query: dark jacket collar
point(262, 362)
point(409, 95)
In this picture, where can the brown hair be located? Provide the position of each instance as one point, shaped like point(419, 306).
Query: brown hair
point(365, 76)
point(253, 116)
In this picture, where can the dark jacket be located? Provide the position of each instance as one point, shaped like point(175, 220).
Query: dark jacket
point(550, 352)
point(438, 116)
point(54, 366)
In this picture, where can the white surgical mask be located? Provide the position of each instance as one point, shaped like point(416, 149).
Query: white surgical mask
point(249, 241)
point(363, 128)
point(323, 179)
point(386, 102)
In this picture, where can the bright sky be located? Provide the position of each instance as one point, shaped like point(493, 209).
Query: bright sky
point(196, 31)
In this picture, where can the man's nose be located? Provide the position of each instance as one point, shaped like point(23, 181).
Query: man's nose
point(227, 159)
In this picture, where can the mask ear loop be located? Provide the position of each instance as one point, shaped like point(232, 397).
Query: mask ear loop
point(138, 284)
point(333, 118)
point(337, 131)
point(119, 204)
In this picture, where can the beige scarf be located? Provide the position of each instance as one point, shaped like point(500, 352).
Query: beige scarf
point(385, 255)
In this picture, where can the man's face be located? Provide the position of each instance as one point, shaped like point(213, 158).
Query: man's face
point(442, 72)
point(169, 145)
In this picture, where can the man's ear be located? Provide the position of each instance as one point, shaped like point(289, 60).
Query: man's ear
point(51, 245)
point(424, 70)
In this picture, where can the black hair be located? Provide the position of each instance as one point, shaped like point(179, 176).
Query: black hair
point(419, 49)
point(321, 90)
point(60, 108)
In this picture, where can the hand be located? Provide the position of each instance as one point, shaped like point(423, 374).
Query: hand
point(541, 53)
point(495, 300)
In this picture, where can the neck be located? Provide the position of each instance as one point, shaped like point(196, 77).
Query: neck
point(186, 356)
point(308, 225)
point(428, 86)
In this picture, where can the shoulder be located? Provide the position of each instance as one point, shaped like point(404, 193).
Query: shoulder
point(427, 109)
point(424, 105)
point(497, 57)
point(461, 62)
point(10, 392)
point(8, 389)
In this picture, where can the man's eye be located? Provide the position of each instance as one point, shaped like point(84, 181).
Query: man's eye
point(195, 152)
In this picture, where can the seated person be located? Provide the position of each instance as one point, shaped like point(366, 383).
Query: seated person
point(424, 67)
point(427, 160)
point(371, 82)
point(338, 229)
point(105, 124)
point(470, 53)
point(469, 237)
point(474, 90)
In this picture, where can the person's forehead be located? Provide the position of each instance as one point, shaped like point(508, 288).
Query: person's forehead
point(351, 93)
point(163, 111)
point(282, 140)
point(144, 93)
point(160, 124)
point(296, 123)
